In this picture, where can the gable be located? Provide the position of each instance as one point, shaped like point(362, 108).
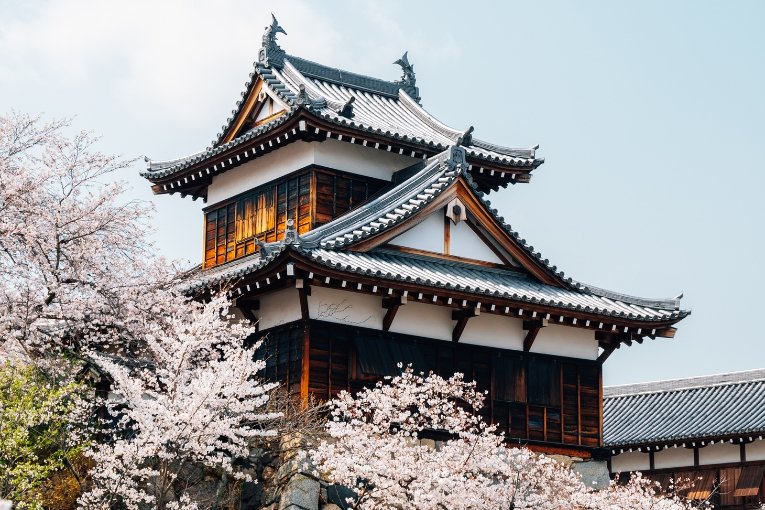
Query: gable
point(260, 106)
point(449, 236)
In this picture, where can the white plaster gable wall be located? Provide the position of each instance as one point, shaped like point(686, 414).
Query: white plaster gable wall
point(278, 308)
point(361, 160)
point(719, 453)
point(755, 450)
point(269, 108)
point(429, 321)
point(341, 307)
point(494, 331)
point(673, 457)
point(630, 461)
point(566, 341)
point(464, 242)
point(427, 235)
point(260, 171)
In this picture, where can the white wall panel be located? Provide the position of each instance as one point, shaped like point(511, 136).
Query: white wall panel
point(673, 457)
point(755, 450)
point(343, 307)
point(278, 308)
point(630, 461)
point(566, 341)
point(719, 453)
point(427, 235)
point(428, 321)
point(361, 160)
point(494, 331)
point(464, 242)
point(259, 171)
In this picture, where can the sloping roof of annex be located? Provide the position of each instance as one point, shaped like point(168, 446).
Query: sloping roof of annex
point(383, 114)
point(341, 251)
point(723, 407)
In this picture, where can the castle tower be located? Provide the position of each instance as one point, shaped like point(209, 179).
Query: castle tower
point(356, 229)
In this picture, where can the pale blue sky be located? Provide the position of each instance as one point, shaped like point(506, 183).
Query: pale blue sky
point(650, 115)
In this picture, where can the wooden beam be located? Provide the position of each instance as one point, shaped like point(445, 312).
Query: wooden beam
point(532, 327)
point(304, 290)
point(248, 306)
point(667, 332)
point(606, 352)
point(531, 335)
point(462, 317)
point(391, 304)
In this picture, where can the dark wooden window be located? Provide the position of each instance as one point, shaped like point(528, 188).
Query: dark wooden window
point(282, 350)
point(738, 486)
point(311, 197)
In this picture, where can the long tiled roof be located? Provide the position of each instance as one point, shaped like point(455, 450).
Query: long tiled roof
point(380, 107)
point(718, 406)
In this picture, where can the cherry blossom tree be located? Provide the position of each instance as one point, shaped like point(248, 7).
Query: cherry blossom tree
point(193, 400)
point(76, 268)
point(376, 447)
point(80, 281)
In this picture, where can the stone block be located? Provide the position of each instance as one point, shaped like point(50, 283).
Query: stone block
point(301, 493)
point(594, 473)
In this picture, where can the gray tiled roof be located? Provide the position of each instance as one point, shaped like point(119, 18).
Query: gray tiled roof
point(380, 107)
point(727, 405)
point(491, 282)
point(326, 245)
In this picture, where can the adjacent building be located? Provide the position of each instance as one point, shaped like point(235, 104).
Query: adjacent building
point(357, 230)
point(706, 429)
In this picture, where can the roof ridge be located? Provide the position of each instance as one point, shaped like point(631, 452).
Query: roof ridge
point(684, 384)
point(350, 79)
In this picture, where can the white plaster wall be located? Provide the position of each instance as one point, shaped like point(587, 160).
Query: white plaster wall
point(430, 321)
point(755, 450)
point(335, 154)
point(360, 160)
point(630, 461)
point(277, 308)
point(427, 235)
point(343, 307)
point(719, 453)
point(494, 331)
point(464, 242)
point(260, 171)
point(673, 457)
point(566, 341)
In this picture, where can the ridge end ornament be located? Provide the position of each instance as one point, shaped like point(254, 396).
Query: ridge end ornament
point(291, 237)
point(408, 81)
point(457, 158)
point(270, 51)
point(466, 140)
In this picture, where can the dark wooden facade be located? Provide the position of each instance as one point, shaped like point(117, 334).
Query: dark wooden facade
point(312, 197)
point(533, 398)
point(731, 486)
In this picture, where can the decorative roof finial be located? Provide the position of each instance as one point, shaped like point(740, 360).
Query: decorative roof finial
point(408, 81)
point(270, 52)
point(347, 109)
point(466, 140)
point(291, 236)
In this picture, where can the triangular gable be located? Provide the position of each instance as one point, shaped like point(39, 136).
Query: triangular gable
point(484, 224)
point(260, 106)
point(451, 237)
